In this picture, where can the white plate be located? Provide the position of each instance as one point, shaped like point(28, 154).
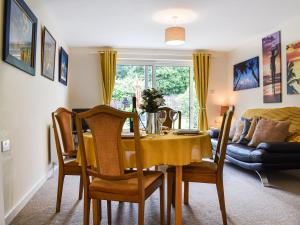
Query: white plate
point(131, 135)
point(188, 132)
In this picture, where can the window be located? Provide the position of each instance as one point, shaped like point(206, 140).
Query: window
point(175, 81)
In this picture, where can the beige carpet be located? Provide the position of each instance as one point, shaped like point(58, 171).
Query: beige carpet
point(247, 201)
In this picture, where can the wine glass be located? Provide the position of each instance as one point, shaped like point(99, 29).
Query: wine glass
point(173, 114)
point(161, 118)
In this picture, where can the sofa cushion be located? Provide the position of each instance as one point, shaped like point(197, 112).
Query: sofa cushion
point(242, 152)
point(238, 131)
point(243, 140)
point(232, 130)
point(270, 131)
point(291, 114)
point(213, 132)
point(252, 128)
point(246, 154)
point(280, 147)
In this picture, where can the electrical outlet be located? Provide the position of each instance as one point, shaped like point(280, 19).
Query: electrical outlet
point(5, 145)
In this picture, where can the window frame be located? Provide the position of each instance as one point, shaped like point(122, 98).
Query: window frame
point(154, 64)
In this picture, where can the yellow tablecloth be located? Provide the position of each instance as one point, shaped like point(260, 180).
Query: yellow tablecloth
point(177, 150)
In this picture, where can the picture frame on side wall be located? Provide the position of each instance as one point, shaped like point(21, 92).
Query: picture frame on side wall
point(246, 74)
point(48, 54)
point(272, 72)
point(293, 68)
point(63, 66)
point(20, 36)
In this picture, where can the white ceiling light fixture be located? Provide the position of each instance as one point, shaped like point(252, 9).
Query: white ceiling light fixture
point(175, 35)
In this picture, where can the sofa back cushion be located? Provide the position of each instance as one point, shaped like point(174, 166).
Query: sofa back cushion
point(238, 131)
point(247, 124)
point(291, 114)
point(233, 129)
point(270, 131)
point(252, 129)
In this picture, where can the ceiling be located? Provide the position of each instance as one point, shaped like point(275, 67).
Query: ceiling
point(221, 25)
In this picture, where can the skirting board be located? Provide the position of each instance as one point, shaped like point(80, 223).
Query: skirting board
point(26, 198)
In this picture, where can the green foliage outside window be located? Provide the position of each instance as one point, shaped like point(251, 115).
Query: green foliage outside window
point(172, 80)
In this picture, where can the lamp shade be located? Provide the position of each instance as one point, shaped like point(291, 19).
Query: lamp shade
point(175, 36)
point(224, 108)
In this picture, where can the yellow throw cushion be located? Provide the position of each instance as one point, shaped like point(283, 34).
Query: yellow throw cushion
point(252, 128)
point(238, 131)
point(270, 131)
point(294, 137)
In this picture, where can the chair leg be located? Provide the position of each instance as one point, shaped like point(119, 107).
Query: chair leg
point(109, 212)
point(169, 197)
point(186, 193)
point(220, 190)
point(162, 202)
point(80, 188)
point(86, 210)
point(96, 211)
point(60, 185)
point(141, 212)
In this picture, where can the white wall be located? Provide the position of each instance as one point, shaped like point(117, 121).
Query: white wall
point(26, 103)
point(85, 81)
point(253, 98)
point(85, 69)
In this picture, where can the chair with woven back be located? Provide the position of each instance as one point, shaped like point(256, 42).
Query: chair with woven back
point(205, 171)
point(66, 156)
point(168, 122)
point(110, 180)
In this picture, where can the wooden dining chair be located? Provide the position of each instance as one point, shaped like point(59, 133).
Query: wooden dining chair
point(168, 122)
point(110, 181)
point(205, 171)
point(66, 156)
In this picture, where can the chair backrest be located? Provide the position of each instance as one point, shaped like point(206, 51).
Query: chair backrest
point(106, 125)
point(168, 122)
point(63, 118)
point(84, 125)
point(223, 139)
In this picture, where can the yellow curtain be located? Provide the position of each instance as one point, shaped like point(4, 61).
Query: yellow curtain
point(201, 73)
point(108, 58)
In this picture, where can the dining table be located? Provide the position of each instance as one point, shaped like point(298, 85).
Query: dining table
point(170, 149)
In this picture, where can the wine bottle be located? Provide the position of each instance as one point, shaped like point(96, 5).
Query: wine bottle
point(133, 110)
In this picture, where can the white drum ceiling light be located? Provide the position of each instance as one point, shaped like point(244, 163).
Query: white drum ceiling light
point(175, 35)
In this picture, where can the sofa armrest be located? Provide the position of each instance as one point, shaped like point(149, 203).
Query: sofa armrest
point(280, 147)
point(214, 133)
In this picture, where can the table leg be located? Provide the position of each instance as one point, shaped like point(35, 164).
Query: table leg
point(178, 196)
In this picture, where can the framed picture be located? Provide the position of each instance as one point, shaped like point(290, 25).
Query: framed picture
point(293, 68)
point(48, 54)
point(63, 67)
point(271, 46)
point(20, 30)
point(246, 74)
